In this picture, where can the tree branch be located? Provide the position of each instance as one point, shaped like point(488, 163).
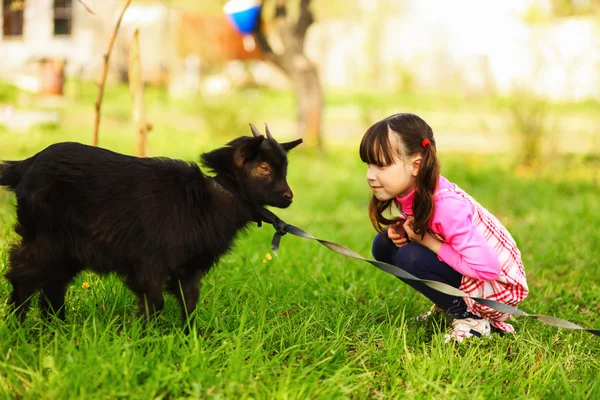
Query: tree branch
point(285, 28)
point(263, 43)
point(104, 73)
point(86, 7)
point(305, 20)
point(136, 88)
point(259, 35)
point(280, 10)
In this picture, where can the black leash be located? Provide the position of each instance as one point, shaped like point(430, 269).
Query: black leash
point(282, 228)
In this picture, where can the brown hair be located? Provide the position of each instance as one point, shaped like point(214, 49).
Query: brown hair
point(376, 149)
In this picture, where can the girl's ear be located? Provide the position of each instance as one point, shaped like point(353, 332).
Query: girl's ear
point(416, 164)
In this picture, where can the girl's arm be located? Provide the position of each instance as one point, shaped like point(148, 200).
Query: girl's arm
point(465, 249)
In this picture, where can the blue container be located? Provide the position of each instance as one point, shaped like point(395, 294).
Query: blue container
point(243, 14)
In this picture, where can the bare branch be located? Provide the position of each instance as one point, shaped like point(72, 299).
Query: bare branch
point(259, 35)
point(280, 10)
point(263, 43)
point(285, 27)
point(86, 7)
point(305, 20)
point(104, 73)
point(292, 61)
point(136, 88)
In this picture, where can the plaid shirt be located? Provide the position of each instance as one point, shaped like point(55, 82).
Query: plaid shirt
point(511, 285)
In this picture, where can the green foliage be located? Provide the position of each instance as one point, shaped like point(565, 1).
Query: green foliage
point(571, 8)
point(8, 93)
point(225, 116)
point(407, 80)
point(537, 13)
point(370, 111)
point(530, 120)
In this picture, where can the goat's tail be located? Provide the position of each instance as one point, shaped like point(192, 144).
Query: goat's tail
point(12, 171)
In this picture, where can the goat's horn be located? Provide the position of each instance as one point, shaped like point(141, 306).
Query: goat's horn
point(268, 132)
point(255, 131)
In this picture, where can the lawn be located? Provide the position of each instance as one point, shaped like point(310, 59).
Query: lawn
point(311, 323)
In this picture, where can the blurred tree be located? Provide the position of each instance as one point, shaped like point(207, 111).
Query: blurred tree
point(543, 13)
point(571, 8)
point(325, 9)
point(575, 8)
point(301, 71)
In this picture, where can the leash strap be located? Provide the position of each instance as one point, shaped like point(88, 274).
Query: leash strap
point(282, 228)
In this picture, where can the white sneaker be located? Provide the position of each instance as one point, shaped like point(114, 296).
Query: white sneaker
point(468, 327)
point(433, 311)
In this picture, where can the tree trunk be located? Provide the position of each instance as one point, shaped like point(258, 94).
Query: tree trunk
point(299, 69)
point(309, 101)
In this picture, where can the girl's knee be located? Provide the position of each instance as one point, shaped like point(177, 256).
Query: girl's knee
point(383, 248)
point(412, 257)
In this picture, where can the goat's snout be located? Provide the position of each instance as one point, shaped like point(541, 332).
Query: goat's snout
point(288, 195)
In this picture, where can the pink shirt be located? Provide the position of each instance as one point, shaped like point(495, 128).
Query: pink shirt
point(477, 245)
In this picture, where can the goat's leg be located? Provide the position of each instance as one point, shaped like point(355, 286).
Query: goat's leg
point(188, 291)
point(188, 294)
point(188, 297)
point(150, 303)
point(21, 295)
point(52, 298)
point(149, 292)
point(25, 276)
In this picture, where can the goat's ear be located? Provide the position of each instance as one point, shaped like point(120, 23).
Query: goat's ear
point(247, 150)
point(218, 160)
point(287, 146)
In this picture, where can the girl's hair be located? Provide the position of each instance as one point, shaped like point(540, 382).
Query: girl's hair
point(376, 149)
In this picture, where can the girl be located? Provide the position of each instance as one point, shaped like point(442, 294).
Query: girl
point(443, 234)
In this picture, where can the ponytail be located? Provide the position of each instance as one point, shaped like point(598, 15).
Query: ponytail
point(426, 184)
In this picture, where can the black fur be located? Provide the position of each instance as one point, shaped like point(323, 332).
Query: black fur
point(157, 222)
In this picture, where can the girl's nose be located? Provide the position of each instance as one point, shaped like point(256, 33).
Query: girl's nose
point(371, 174)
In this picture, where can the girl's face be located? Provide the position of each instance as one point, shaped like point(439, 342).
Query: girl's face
point(397, 178)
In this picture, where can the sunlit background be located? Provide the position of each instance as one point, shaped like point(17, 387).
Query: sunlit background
point(512, 77)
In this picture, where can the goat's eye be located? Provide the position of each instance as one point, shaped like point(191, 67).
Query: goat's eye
point(264, 169)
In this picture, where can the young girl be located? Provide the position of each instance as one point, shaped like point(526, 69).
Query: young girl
point(443, 234)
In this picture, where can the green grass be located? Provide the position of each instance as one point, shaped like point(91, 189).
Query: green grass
point(311, 323)
point(8, 93)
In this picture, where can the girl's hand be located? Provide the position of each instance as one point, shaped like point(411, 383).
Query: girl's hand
point(408, 228)
point(397, 234)
point(428, 240)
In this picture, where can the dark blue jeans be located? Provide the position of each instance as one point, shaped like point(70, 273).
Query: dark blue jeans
point(423, 263)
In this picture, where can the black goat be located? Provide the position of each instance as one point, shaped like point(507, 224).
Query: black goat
point(157, 222)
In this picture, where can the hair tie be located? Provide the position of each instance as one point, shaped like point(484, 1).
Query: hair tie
point(425, 142)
